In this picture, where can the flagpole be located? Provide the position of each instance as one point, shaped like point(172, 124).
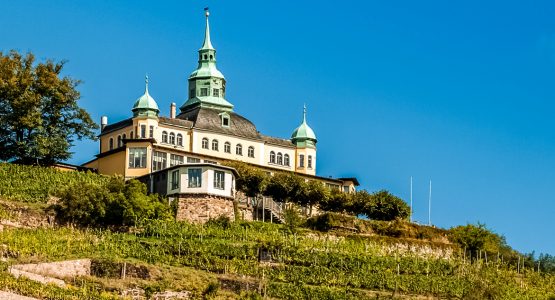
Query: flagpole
point(410, 218)
point(430, 205)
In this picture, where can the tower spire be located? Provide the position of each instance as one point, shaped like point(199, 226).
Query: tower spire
point(207, 43)
point(146, 83)
point(304, 113)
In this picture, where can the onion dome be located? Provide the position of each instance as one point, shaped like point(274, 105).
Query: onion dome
point(146, 105)
point(304, 135)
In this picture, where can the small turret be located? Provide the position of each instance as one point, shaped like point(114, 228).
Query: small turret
point(304, 136)
point(145, 106)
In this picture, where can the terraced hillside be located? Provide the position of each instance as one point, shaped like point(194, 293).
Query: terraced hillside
point(353, 259)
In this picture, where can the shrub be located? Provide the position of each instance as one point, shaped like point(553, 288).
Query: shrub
point(117, 203)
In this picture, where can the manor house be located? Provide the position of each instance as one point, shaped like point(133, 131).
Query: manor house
point(205, 130)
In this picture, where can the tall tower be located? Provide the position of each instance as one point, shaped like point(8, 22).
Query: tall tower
point(305, 153)
point(207, 83)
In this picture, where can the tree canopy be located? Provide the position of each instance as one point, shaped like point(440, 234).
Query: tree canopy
point(39, 113)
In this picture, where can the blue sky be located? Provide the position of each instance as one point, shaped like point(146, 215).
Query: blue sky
point(457, 92)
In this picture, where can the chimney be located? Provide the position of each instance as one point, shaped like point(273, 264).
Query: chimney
point(103, 122)
point(172, 110)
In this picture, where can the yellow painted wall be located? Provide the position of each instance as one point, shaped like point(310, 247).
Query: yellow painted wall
point(112, 164)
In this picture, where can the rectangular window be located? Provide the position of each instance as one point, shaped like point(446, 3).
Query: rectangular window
point(216, 93)
point(210, 162)
point(219, 180)
point(143, 131)
point(151, 132)
point(345, 189)
point(192, 93)
point(176, 160)
point(160, 161)
point(137, 157)
point(195, 177)
point(204, 91)
point(175, 179)
point(332, 186)
point(301, 161)
point(309, 161)
point(193, 160)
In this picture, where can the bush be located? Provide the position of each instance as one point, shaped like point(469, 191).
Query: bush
point(117, 203)
point(384, 206)
point(292, 218)
point(222, 222)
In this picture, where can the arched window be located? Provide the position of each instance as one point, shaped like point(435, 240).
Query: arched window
point(227, 147)
point(124, 137)
point(251, 151)
point(204, 143)
point(164, 137)
point(273, 157)
point(309, 162)
point(239, 149)
point(215, 145)
point(172, 138)
point(111, 143)
point(179, 139)
point(279, 158)
point(286, 159)
point(119, 141)
point(131, 134)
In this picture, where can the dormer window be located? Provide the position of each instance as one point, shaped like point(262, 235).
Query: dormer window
point(216, 92)
point(192, 93)
point(225, 119)
point(203, 92)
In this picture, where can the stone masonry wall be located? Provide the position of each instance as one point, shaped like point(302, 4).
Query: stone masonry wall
point(202, 207)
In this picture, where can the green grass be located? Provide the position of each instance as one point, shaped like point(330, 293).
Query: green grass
point(36, 184)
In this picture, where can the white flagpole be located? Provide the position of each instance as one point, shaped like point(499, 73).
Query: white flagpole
point(430, 205)
point(410, 199)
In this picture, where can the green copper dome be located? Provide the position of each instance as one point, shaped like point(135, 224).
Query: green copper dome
point(145, 105)
point(304, 135)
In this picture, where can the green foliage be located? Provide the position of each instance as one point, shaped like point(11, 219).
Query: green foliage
point(475, 239)
point(382, 206)
point(116, 203)
point(292, 217)
point(38, 111)
point(284, 186)
point(250, 180)
point(312, 193)
point(308, 266)
point(211, 290)
point(37, 184)
point(221, 221)
point(337, 201)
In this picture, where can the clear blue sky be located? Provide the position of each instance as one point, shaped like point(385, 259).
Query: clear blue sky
point(459, 92)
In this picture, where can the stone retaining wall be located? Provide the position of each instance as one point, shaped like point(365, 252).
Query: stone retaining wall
point(52, 272)
point(199, 208)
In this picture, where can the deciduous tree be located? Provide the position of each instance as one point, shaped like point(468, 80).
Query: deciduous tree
point(39, 114)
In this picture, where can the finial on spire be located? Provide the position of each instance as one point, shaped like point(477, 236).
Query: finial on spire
point(146, 83)
point(304, 113)
point(207, 43)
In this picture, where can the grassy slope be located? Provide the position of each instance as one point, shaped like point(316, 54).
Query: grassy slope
point(307, 264)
